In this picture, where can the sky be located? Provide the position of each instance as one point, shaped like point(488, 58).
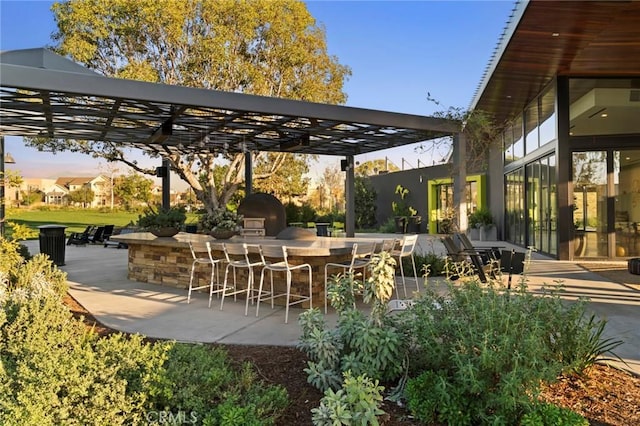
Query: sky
point(398, 51)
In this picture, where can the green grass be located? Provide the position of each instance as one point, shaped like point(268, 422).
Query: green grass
point(76, 220)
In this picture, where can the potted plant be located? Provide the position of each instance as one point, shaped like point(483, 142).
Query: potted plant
point(221, 223)
point(404, 214)
point(163, 222)
point(482, 221)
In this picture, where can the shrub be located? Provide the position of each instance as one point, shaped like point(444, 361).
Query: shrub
point(427, 264)
point(159, 217)
point(371, 345)
point(201, 380)
point(481, 353)
point(355, 404)
point(552, 415)
point(53, 370)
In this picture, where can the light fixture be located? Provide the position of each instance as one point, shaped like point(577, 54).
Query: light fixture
point(8, 159)
point(604, 115)
point(555, 34)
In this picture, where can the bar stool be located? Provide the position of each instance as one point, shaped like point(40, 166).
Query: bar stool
point(360, 258)
point(237, 257)
point(280, 263)
point(196, 250)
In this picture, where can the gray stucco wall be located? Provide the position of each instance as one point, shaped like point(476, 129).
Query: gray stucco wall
point(415, 180)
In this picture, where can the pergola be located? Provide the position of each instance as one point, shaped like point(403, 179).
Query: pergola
point(43, 94)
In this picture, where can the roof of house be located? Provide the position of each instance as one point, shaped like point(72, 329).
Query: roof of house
point(567, 38)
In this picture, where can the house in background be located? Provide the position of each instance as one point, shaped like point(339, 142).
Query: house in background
point(58, 193)
point(17, 196)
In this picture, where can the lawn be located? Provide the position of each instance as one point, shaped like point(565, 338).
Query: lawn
point(76, 220)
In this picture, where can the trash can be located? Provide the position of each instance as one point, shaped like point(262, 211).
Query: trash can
point(52, 242)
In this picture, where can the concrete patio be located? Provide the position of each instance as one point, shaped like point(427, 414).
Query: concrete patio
point(98, 280)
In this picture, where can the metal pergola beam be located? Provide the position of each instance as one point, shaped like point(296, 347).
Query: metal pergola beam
point(43, 94)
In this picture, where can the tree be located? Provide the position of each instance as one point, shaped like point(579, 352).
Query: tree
point(372, 167)
point(83, 195)
point(365, 203)
point(285, 182)
point(261, 47)
point(482, 135)
point(111, 169)
point(331, 187)
point(132, 189)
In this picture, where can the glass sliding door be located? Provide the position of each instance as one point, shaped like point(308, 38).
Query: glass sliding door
point(590, 194)
point(514, 203)
point(626, 192)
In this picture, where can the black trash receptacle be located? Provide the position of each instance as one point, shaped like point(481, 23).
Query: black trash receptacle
point(52, 242)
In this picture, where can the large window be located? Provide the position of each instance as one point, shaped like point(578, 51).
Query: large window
point(514, 203)
point(535, 127)
point(604, 107)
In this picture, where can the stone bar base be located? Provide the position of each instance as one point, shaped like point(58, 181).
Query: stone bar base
point(167, 261)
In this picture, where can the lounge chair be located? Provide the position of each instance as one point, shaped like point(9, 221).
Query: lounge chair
point(473, 259)
point(81, 238)
point(117, 244)
point(96, 237)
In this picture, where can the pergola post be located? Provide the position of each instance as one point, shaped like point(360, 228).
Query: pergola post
point(349, 192)
point(166, 183)
point(460, 180)
point(248, 174)
point(2, 183)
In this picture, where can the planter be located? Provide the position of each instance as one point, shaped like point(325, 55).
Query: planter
point(223, 234)
point(473, 233)
point(488, 233)
point(168, 231)
point(401, 224)
point(414, 223)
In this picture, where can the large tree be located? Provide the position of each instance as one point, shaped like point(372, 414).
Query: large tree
point(262, 47)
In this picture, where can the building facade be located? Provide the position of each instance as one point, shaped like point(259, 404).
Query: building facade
point(566, 80)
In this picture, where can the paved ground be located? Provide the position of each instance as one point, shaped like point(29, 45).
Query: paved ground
point(98, 280)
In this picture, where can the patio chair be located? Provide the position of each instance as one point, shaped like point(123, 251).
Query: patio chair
point(406, 249)
point(280, 263)
point(360, 259)
point(197, 249)
point(512, 262)
point(106, 233)
point(96, 236)
point(462, 258)
point(108, 242)
point(237, 257)
point(81, 238)
point(487, 253)
point(388, 245)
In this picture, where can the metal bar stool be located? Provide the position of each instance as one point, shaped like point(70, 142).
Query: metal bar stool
point(280, 263)
point(196, 250)
point(237, 257)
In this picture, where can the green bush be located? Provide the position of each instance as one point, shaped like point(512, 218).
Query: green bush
point(201, 380)
point(56, 372)
point(552, 415)
point(370, 345)
point(480, 353)
point(427, 264)
point(53, 370)
point(355, 404)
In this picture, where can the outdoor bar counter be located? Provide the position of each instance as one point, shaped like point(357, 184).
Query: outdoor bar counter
point(167, 260)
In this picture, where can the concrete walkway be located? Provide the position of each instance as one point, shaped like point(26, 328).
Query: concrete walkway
point(98, 280)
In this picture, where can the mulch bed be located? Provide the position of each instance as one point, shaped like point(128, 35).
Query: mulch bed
point(604, 395)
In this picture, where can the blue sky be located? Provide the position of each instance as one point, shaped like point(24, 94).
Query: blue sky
point(398, 52)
